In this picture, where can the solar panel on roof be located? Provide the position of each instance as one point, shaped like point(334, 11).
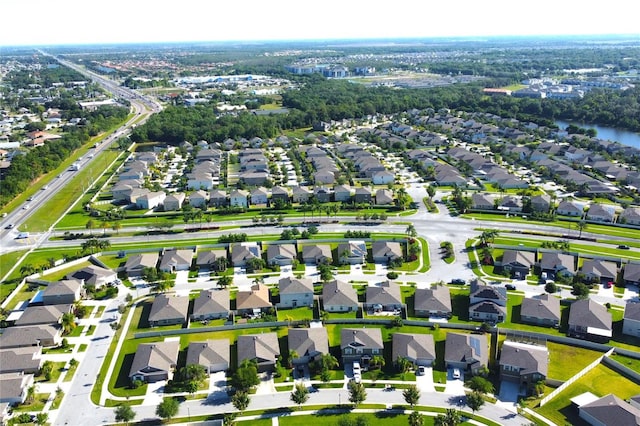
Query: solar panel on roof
point(475, 344)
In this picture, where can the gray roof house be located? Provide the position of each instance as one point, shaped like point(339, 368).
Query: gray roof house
point(385, 251)
point(383, 297)
point(154, 361)
point(308, 343)
point(610, 411)
point(352, 252)
point(31, 335)
point(242, 252)
point(26, 360)
point(384, 197)
point(62, 292)
point(433, 302)
point(630, 216)
point(14, 387)
point(468, 352)
point(46, 314)
point(211, 304)
point(135, 265)
point(281, 254)
point(360, 344)
point(262, 348)
point(523, 363)
point(206, 259)
point(176, 260)
point(338, 296)
point(168, 310)
point(601, 213)
point(599, 270)
point(417, 348)
point(541, 203)
point(482, 201)
point(631, 273)
point(557, 264)
point(568, 208)
point(295, 292)
point(631, 320)
point(589, 320)
point(487, 303)
point(213, 355)
point(316, 254)
point(94, 275)
point(518, 262)
point(542, 310)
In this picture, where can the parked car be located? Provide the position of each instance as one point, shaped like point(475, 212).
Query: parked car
point(510, 287)
point(9, 226)
point(421, 371)
point(456, 373)
point(458, 281)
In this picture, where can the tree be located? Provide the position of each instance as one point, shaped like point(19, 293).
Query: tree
point(487, 236)
point(431, 191)
point(450, 418)
point(27, 269)
point(68, 322)
point(329, 361)
point(475, 401)
point(580, 290)
point(357, 393)
point(42, 418)
point(167, 409)
point(225, 280)
point(124, 413)
point(377, 361)
point(246, 376)
point(240, 400)
point(91, 224)
point(416, 419)
point(229, 419)
point(550, 287)
point(104, 225)
point(582, 225)
point(411, 395)
point(403, 364)
point(480, 384)
point(194, 372)
point(31, 394)
point(300, 394)
point(220, 264)
point(116, 226)
point(326, 274)
point(411, 231)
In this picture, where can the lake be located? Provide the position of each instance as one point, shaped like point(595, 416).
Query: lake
point(625, 137)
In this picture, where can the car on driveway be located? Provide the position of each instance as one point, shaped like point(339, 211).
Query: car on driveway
point(421, 370)
point(456, 373)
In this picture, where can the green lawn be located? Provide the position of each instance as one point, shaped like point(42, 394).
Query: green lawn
point(295, 314)
point(632, 363)
point(37, 405)
point(565, 361)
point(70, 372)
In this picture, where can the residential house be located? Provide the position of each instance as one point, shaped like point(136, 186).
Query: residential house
point(173, 202)
point(554, 264)
point(322, 194)
point(382, 177)
point(263, 348)
point(241, 253)
point(384, 197)
point(609, 411)
point(207, 259)
point(384, 252)
point(218, 198)
point(384, 297)
point(168, 310)
point(543, 310)
point(259, 196)
point(154, 362)
point(176, 260)
point(324, 177)
point(62, 292)
point(433, 302)
point(197, 199)
point(295, 292)
point(46, 314)
point(281, 254)
point(211, 304)
point(352, 253)
point(151, 200)
point(26, 360)
point(568, 208)
point(301, 194)
point(589, 320)
point(362, 195)
point(213, 355)
point(524, 364)
point(631, 274)
point(342, 193)
point(599, 270)
point(44, 335)
point(630, 216)
point(317, 254)
point(338, 296)
point(360, 344)
point(487, 303)
point(541, 203)
point(238, 198)
point(631, 320)
point(468, 352)
point(510, 203)
point(254, 301)
point(517, 263)
point(308, 344)
point(482, 201)
point(93, 275)
point(14, 387)
point(601, 213)
point(135, 265)
point(419, 349)
point(279, 193)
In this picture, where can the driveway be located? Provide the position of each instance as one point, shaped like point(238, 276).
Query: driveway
point(508, 397)
point(454, 386)
point(182, 277)
point(217, 385)
point(425, 381)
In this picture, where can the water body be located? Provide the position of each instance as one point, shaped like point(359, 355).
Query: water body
point(625, 137)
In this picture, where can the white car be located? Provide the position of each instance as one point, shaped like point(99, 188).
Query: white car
point(456, 373)
point(356, 368)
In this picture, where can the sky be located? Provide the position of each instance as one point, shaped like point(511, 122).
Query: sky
point(40, 22)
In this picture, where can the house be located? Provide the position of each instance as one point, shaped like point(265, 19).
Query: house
point(176, 260)
point(135, 265)
point(599, 270)
point(433, 302)
point(207, 259)
point(27, 360)
point(151, 200)
point(168, 310)
point(338, 296)
point(543, 310)
point(322, 194)
point(360, 344)
point(197, 199)
point(14, 387)
point(557, 264)
point(213, 355)
point(239, 198)
point(324, 177)
point(317, 254)
point(62, 292)
point(279, 193)
point(384, 252)
point(308, 344)
point(342, 193)
point(518, 263)
point(46, 314)
point(524, 364)
point(281, 254)
point(295, 292)
point(218, 198)
point(601, 213)
point(609, 411)
point(93, 275)
point(254, 301)
point(259, 196)
point(630, 216)
point(482, 201)
point(487, 303)
point(568, 208)
point(384, 297)
point(363, 195)
point(44, 335)
point(382, 177)
point(419, 349)
point(541, 203)
point(352, 253)
point(154, 362)
point(590, 321)
point(631, 273)
point(173, 202)
point(263, 348)
point(384, 197)
point(468, 352)
point(510, 203)
point(301, 194)
point(211, 304)
point(631, 320)
point(241, 253)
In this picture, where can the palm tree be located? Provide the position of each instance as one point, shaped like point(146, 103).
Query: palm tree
point(329, 361)
point(27, 269)
point(90, 225)
point(377, 361)
point(104, 225)
point(411, 231)
point(582, 225)
point(116, 226)
point(31, 394)
point(68, 322)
